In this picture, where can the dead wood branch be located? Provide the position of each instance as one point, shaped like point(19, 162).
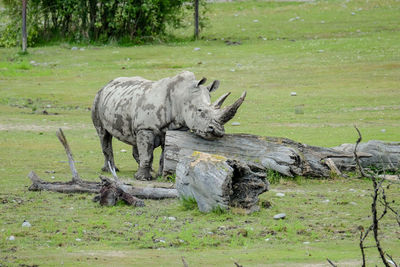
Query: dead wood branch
point(378, 196)
point(63, 140)
point(331, 263)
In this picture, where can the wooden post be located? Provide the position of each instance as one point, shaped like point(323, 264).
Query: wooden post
point(196, 19)
point(24, 36)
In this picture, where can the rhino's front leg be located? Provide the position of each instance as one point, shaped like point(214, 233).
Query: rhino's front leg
point(145, 145)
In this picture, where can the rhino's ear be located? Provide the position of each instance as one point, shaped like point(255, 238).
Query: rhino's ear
point(214, 86)
point(202, 81)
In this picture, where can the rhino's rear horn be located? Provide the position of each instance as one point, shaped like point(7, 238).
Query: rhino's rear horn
point(229, 112)
point(218, 103)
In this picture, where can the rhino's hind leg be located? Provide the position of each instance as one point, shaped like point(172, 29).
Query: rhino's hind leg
point(145, 145)
point(106, 146)
point(135, 153)
point(161, 165)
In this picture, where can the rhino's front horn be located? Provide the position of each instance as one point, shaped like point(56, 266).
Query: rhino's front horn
point(218, 103)
point(229, 112)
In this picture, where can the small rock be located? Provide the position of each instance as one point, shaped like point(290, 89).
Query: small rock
point(306, 243)
point(353, 13)
point(325, 201)
point(49, 106)
point(321, 51)
point(353, 203)
point(123, 150)
point(33, 62)
point(74, 48)
point(11, 238)
point(266, 239)
point(115, 52)
point(236, 15)
point(280, 194)
point(383, 130)
point(78, 239)
point(352, 190)
point(52, 177)
point(235, 123)
point(256, 20)
point(293, 93)
point(196, 49)
point(322, 21)
point(280, 216)
point(26, 224)
point(209, 53)
point(181, 241)
point(233, 70)
point(82, 49)
point(172, 218)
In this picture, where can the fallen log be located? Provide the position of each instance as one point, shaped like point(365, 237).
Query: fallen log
point(283, 155)
point(215, 181)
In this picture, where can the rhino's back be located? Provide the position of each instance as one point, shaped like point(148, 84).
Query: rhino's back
point(128, 104)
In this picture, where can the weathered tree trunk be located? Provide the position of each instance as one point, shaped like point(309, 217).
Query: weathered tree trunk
point(24, 35)
point(282, 155)
point(215, 181)
point(196, 19)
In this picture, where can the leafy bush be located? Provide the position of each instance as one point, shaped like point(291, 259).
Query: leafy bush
point(91, 20)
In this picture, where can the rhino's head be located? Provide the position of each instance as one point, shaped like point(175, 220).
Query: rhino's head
point(204, 118)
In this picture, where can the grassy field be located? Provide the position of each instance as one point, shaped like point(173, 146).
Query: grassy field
point(342, 58)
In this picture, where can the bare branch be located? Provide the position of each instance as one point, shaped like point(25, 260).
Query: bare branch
point(112, 170)
point(377, 186)
point(392, 260)
point(331, 263)
point(184, 262)
point(63, 140)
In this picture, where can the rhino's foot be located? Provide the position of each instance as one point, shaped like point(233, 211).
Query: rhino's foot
point(105, 169)
point(143, 174)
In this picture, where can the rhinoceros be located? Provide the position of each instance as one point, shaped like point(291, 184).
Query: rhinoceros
point(138, 112)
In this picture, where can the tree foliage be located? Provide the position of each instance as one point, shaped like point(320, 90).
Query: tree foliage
point(91, 20)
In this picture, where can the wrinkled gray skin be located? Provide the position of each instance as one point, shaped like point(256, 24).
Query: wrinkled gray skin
point(139, 112)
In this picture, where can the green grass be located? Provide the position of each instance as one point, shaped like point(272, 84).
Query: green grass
point(344, 68)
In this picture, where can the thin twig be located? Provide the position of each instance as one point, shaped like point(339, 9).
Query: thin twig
point(113, 172)
point(392, 260)
point(375, 220)
point(63, 140)
point(184, 262)
point(331, 263)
